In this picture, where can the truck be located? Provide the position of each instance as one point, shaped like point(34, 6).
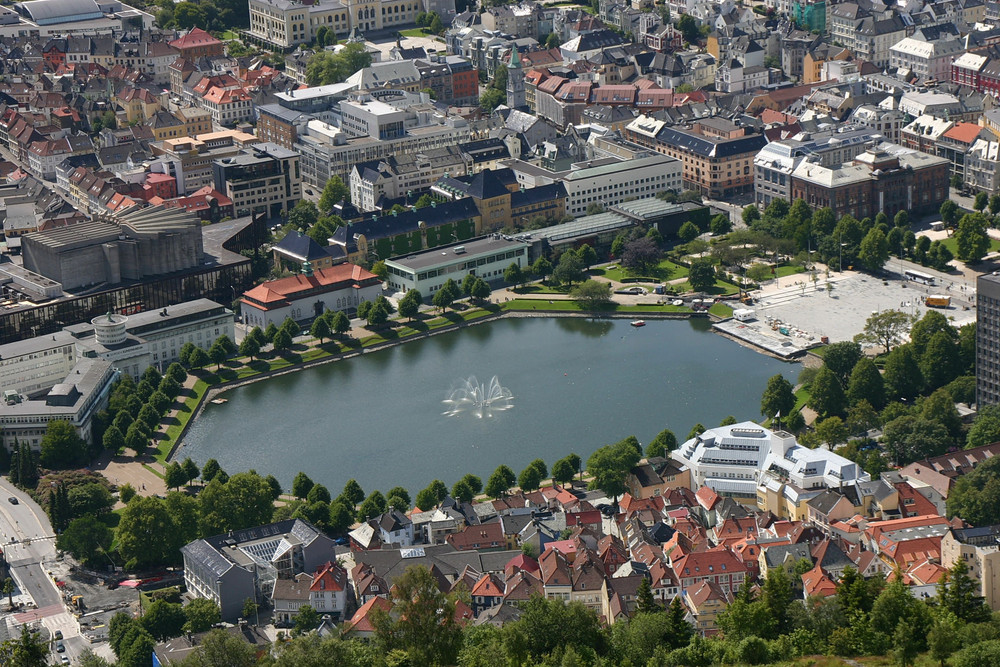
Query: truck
point(937, 301)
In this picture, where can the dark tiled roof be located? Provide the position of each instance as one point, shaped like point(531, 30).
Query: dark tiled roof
point(708, 147)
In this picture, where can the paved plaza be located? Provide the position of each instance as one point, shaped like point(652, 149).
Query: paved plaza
point(838, 306)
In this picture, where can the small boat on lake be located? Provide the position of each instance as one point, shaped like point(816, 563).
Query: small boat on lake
point(219, 401)
point(638, 323)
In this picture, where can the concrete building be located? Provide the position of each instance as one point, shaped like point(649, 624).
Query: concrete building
point(264, 178)
point(305, 296)
point(56, 18)
point(605, 182)
point(734, 460)
point(231, 568)
point(76, 399)
point(328, 151)
point(988, 340)
point(716, 154)
point(144, 243)
point(153, 338)
point(885, 178)
point(427, 271)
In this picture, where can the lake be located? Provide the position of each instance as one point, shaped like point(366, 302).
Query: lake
point(577, 384)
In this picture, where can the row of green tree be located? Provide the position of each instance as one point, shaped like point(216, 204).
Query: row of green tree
point(791, 229)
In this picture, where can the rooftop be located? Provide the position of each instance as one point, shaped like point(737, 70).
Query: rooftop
point(456, 251)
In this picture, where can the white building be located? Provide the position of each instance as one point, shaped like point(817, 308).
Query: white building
point(305, 296)
point(928, 60)
point(732, 460)
point(82, 393)
point(982, 166)
point(131, 344)
point(285, 23)
point(427, 271)
point(606, 181)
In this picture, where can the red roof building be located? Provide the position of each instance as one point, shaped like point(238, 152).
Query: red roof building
point(717, 565)
point(197, 44)
point(309, 294)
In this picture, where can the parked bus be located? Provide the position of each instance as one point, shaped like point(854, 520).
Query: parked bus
point(937, 301)
point(918, 277)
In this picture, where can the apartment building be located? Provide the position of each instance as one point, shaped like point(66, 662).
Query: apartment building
point(716, 154)
point(403, 175)
point(189, 159)
point(264, 178)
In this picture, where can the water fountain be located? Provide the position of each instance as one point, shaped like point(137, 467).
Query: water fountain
point(478, 399)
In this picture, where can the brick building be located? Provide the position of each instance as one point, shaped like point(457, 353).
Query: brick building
point(883, 178)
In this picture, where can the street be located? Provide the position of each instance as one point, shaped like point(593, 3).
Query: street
point(31, 557)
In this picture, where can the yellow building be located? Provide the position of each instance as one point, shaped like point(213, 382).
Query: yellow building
point(981, 551)
point(138, 104)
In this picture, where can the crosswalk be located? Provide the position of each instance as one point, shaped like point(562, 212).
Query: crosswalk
point(33, 615)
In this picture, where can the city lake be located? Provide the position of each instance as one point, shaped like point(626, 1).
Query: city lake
point(576, 384)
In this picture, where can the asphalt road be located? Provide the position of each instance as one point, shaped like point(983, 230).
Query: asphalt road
point(27, 521)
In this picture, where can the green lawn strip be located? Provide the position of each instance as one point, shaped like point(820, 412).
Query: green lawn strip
point(539, 288)
point(788, 270)
point(721, 310)
point(952, 244)
point(153, 470)
point(415, 32)
point(719, 289)
point(183, 416)
point(536, 304)
point(666, 270)
point(820, 351)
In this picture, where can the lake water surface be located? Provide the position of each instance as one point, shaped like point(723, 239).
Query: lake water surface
point(577, 385)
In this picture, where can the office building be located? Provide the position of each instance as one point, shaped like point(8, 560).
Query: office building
point(427, 271)
point(233, 567)
point(189, 159)
point(988, 340)
point(264, 178)
point(606, 181)
point(76, 399)
point(885, 178)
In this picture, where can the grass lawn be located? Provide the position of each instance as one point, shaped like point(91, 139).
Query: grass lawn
point(415, 32)
point(721, 310)
point(665, 270)
point(802, 397)
point(230, 35)
point(788, 270)
point(534, 304)
point(719, 289)
point(951, 244)
point(539, 288)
